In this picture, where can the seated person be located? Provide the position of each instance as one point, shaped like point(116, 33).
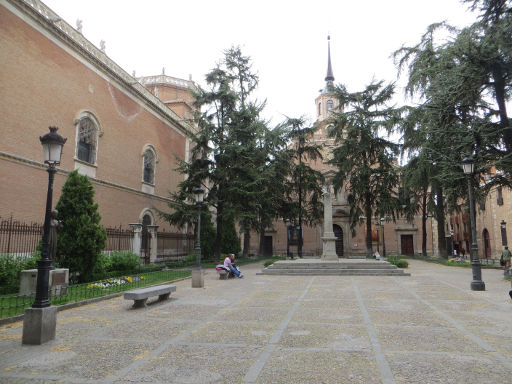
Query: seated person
point(376, 255)
point(228, 263)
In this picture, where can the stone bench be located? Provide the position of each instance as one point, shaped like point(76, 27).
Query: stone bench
point(140, 296)
point(223, 274)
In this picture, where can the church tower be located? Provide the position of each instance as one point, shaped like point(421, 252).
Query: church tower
point(325, 102)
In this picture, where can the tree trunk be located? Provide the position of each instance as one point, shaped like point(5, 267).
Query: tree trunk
point(247, 243)
point(499, 90)
point(262, 241)
point(439, 214)
point(218, 235)
point(368, 213)
point(424, 223)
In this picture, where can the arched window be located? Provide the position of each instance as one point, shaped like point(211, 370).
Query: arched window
point(319, 108)
point(149, 166)
point(330, 105)
point(87, 139)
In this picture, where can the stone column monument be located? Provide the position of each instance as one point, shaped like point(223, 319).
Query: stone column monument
point(328, 238)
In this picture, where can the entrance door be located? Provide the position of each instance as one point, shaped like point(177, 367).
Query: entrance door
point(267, 246)
point(145, 248)
point(338, 232)
point(407, 245)
point(487, 244)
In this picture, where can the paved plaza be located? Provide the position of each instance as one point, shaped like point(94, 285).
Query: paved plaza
point(425, 328)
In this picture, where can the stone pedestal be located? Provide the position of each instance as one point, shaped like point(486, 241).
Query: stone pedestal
point(328, 239)
point(329, 247)
point(197, 278)
point(137, 237)
point(57, 284)
point(152, 229)
point(39, 325)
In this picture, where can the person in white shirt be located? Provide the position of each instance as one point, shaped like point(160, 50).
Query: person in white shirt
point(228, 263)
point(376, 255)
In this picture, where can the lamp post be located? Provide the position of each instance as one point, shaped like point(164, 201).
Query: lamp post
point(382, 220)
point(287, 223)
point(40, 321)
point(52, 149)
point(477, 284)
point(197, 274)
point(503, 227)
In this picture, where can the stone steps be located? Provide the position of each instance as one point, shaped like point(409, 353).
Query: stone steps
point(334, 272)
point(333, 268)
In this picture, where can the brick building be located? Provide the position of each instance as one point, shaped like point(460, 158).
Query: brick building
point(118, 132)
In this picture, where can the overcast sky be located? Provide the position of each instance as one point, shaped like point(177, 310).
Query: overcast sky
point(287, 40)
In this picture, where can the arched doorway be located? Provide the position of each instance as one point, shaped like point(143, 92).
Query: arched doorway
point(487, 243)
point(338, 232)
point(145, 248)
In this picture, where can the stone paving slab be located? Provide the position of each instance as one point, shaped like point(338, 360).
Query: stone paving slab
point(426, 328)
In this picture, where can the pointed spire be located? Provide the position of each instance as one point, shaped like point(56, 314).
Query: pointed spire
point(330, 76)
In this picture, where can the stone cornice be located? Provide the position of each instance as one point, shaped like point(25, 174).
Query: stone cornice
point(58, 28)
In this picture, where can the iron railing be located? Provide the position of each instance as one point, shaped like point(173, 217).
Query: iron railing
point(118, 239)
point(19, 238)
point(173, 246)
point(12, 305)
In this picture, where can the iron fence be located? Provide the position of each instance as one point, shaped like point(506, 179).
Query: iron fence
point(173, 246)
point(12, 305)
point(19, 238)
point(118, 239)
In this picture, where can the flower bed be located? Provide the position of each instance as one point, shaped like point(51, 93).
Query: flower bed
point(108, 283)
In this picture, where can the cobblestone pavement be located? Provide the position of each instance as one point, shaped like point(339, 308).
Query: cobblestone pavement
point(426, 328)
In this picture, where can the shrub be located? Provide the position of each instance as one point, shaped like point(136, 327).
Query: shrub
point(400, 263)
point(124, 261)
point(10, 268)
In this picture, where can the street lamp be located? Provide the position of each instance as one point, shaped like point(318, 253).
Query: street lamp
point(382, 220)
point(40, 321)
point(477, 284)
point(52, 150)
point(287, 223)
point(197, 274)
point(503, 226)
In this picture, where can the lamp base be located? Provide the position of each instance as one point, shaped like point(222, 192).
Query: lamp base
point(39, 325)
point(477, 285)
point(197, 278)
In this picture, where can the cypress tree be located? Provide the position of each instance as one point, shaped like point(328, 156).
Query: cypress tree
point(81, 238)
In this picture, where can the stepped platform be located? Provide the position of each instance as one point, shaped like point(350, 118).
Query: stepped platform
point(340, 267)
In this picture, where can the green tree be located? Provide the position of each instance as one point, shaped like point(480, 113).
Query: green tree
point(81, 238)
point(222, 159)
point(366, 161)
point(302, 183)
